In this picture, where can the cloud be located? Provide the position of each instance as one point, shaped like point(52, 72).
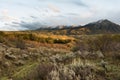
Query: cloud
point(6, 17)
point(87, 15)
point(4, 11)
point(33, 17)
point(39, 13)
point(53, 8)
point(79, 3)
point(28, 25)
point(32, 25)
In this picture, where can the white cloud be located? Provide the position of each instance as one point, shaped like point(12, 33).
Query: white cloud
point(6, 17)
point(53, 8)
point(55, 12)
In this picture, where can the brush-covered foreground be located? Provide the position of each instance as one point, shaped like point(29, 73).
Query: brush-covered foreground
point(84, 57)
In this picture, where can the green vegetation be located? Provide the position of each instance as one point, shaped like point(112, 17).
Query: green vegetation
point(38, 56)
point(24, 71)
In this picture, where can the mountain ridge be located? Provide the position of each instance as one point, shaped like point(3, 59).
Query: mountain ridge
point(98, 27)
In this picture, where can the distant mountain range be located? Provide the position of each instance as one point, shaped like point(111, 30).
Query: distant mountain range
point(98, 27)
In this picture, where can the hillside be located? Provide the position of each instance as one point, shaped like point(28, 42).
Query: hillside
point(102, 26)
point(98, 27)
point(36, 56)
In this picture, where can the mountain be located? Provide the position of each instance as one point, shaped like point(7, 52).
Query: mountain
point(103, 26)
point(98, 27)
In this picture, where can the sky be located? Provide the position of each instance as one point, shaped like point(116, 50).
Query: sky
point(33, 14)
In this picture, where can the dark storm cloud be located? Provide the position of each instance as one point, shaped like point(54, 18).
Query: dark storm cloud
point(32, 25)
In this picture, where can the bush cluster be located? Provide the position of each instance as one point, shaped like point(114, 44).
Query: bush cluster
point(106, 43)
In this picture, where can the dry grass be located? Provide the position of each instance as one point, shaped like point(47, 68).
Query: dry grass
point(30, 59)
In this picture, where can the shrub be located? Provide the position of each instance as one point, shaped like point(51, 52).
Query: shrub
point(2, 33)
point(62, 41)
point(40, 73)
point(20, 43)
point(1, 37)
point(32, 37)
point(105, 43)
point(49, 40)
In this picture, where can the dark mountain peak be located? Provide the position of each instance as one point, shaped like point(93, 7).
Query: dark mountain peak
point(102, 21)
point(103, 26)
